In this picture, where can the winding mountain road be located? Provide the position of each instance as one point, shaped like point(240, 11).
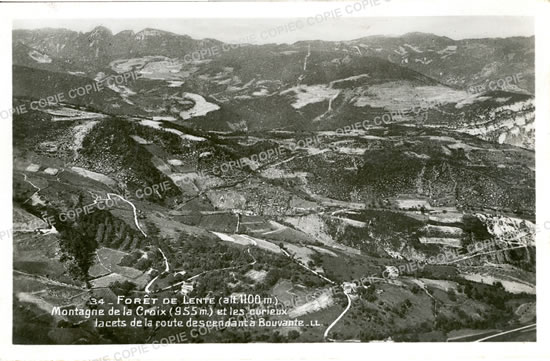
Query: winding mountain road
point(337, 319)
point(98, 199)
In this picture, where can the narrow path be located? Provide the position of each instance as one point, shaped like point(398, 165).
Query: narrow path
point(166, 269)
point(479, 332)
point(337, 319)
point(280, 228)
point(101, 263)
point(166, 265)
point(98, 199)
point(506, 332)
point(150, 284)
point(35, 187)
point(28, 181)
point(134, 209)
point(307, 56)
point(238, 223)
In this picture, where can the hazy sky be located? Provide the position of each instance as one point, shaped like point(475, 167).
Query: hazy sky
point(291, 30)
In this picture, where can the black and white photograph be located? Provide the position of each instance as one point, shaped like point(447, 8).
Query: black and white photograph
point(333, 178)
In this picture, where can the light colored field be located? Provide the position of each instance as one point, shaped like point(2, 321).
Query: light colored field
point(201, 108)
point(140, 140)
point(263, 244)
point(126, 65)
point(309, 94)
point(302, 254)
point(226, 199)
point(105, 281)
point(64, 113)
point(168, 118)
point(171, 69)
point(351, 150)
point(410, 203)
point(39, 57)
point(312, 225)
point(351, 222)
point(32, 168)
point(51, 171)
point(323, 250)
point(157, 125)
point(248, 240)
point(510, 286)
point(93, 175)
point(183, 180)
point(526, 311)
point(403, 95)
point(31, 298)
point(277, 173)
point(97, 270)
point(449, 217)
point(174, 84)
point(441, 284)
point(451, 242)
point(110, 258)
point(257, 276)
point(228, 238)
point(324, 300)
point(175, 162)
point(416, 155)
point(448, 231)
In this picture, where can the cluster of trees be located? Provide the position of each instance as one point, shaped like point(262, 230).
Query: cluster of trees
point(368, 334)
point(389, 171)
point(368, 294)
point(122, 288)
point(382, 225)
point(110, 141)
point(402, 307)
point(170, 142)
point(80, 239)
point(78, 244)
point(197, 254)
point(115, 233)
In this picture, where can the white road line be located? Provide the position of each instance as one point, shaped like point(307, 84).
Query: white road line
point(133, 207)
point(166, 265)
point(505, 332)
point(338, 319)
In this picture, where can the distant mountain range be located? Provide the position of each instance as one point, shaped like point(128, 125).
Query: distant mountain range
point(480, 86)
point(458, 63)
